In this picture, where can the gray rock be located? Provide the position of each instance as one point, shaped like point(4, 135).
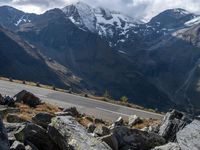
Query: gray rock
point(14, 118)
point(91, 127)
point(135, 139)
point(37, 136)
point(1, 100)
point(9, 101)
point(72, 111)
point(4, 110)
point(168, 146)
point(4, 143)
point(27, 98)
point(98, 121)
point(43, 119)
point(101, 130)
point(118, 122)
point(172, 123)
point(133, 120)
point(11, 129)
point(63, 114)
point(111, 140)
point(189, 137)
point(69, 134)
point(30, 146)
point(17, 146)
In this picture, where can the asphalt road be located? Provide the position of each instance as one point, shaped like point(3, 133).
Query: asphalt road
point(99, 109)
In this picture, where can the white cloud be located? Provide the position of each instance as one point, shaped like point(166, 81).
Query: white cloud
point(136, 8)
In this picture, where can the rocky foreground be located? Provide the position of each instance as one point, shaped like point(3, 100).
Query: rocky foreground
point(29, 124)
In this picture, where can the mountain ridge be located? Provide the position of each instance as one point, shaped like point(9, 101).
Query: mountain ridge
point(144, 61)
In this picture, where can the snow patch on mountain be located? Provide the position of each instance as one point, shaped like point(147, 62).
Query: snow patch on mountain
point(194, 21)
point(23, 19)
point(98, 20)
point(81, 14)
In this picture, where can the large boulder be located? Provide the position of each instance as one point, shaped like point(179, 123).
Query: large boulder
point(43, 119)
point(4, 143)
point(69, 134)
point(27, 98)
point(189, 137)
point(135, 139)
point(168, 146)
point(172, 123)
point(37, 136)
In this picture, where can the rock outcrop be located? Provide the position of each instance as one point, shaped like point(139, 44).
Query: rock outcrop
point(189, 137)
point(67, 133)
point(172, 123)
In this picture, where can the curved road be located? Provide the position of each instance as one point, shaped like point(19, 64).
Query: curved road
point(99, 109)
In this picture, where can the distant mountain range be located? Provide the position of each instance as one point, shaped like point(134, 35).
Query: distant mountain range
point(155, 64)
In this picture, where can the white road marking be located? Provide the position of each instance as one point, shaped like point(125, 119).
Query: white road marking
point(112, 111)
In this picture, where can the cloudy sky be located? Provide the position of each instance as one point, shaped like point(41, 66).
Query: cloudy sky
point(135, 8)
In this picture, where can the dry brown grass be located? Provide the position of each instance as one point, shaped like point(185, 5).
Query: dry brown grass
point(147, 123)
point(84, 121)
point(27, 112)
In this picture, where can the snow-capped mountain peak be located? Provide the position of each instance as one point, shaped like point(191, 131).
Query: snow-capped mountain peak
point(98, 20)
point(82, 15)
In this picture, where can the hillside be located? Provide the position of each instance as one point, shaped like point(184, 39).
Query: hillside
point(154, 64)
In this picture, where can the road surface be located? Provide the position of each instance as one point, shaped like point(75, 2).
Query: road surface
point(99, 109)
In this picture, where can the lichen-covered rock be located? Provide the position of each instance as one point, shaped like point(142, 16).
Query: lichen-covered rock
point(135, 139)
point(69, 134)
point(27, 98)
point(189, 137)
point(43, 119)
point(172, 123)
point(4, 143)
point(11, 129)
point(168, 146)
point(101, 130)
